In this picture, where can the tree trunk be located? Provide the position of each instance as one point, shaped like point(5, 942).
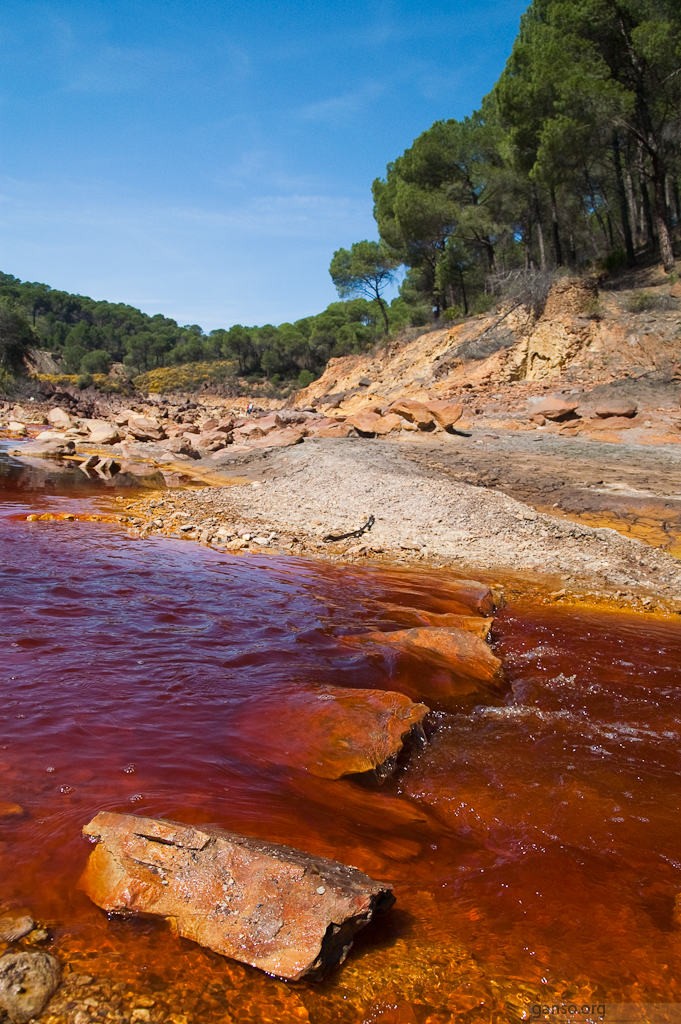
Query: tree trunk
point(647, 212)
point(384, 313)
point(664, 235)
point(464, 297)
point(540, 232)
point(622, 199)
point(555, 230)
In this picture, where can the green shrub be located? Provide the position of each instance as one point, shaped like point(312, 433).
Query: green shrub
point(647, 302)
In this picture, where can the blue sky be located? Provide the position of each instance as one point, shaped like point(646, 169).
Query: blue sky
point(204, 160)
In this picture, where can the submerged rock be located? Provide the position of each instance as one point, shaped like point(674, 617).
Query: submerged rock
point(333, 731)
point(27, 980)
point(457, 663)
point(279, 909)
point(14, 924)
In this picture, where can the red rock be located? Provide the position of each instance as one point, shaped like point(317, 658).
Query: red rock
point(279, 438)
point(372, 423)
point(330, 428)
point(270, 906)
point(616, 408)
point(611, 423)
point(556, 408)
point(470, 670)
point(414, 412)
point(445, 413)
point(417, 617)
point(332, 731)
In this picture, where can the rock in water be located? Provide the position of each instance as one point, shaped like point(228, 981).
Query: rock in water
point(332, 731)
point(27, 981)
point(273, 907)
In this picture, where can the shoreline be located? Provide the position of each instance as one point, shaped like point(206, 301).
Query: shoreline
point(286, 501)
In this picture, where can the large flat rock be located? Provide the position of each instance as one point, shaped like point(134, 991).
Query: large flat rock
point(276, 908)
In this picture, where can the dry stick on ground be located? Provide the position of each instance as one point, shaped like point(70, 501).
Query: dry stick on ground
point(353, 533)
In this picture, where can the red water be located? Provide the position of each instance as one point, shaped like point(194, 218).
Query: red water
point(533, 847)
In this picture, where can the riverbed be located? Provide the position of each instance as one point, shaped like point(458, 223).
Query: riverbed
point(532, 844)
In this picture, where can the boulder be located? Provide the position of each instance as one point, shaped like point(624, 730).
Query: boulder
point(259, 427)
point(101, 432)
point(330, 428)
point(369, 423)
point(27, 981)
point(60, 419)
point(280, 438)
point(414, 412)
point(17, 427)
point(45, 446)
point(145, 428)
point(445, 413)
point(276, 908)
point(556, 408)
point(616, 408)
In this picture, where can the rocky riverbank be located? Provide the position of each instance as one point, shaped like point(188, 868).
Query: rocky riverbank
point(474, 500)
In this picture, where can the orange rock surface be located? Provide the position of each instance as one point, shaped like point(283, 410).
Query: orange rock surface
point(270, 906)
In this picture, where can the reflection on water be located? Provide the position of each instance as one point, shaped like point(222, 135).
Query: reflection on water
point(533, 846)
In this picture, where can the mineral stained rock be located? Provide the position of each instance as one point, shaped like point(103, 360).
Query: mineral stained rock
point(276, 908)
point(332, 731)
point(457, 665)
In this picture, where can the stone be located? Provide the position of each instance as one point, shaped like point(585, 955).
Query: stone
point(370, 424)
point(27, 981)
point(280, 438)
point(331, 428)
point(556, 408)
point(414, 412)
point(145, 428)
point(50, 447)
point(276, 908)
point(17, 427)
point(406, 616)
point(14, 925)
point(471, 670)
point(101, 432)
point(60, 419)
point(611, 423)
point(616, 408)
point(445, 413)
point(332, 731)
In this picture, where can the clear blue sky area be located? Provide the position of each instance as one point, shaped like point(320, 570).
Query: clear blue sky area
point(204, 160)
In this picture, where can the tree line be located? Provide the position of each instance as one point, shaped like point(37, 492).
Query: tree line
point(89, 337)
point(573, 160)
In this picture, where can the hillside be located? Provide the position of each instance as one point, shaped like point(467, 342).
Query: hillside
point(592, 345)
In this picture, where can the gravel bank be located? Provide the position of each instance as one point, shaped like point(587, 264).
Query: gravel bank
point(291, 499)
